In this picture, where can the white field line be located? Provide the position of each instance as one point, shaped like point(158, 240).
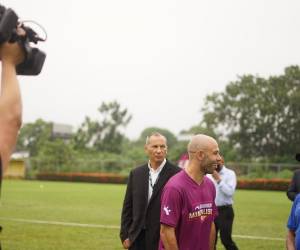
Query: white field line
point(256, 237)
point(72, 224)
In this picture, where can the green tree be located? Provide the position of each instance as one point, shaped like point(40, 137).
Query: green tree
point(199, 129)
point(33, 136)
point(260, 117)
point(54, 156)
point(103, 134)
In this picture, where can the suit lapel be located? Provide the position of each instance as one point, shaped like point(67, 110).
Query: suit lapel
point(144, 183)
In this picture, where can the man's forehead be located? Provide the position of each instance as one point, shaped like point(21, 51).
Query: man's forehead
point(157, 140)
point(215, 148)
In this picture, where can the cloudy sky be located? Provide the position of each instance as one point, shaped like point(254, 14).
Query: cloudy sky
point(158, 58)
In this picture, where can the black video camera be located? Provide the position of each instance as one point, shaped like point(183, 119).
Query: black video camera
point(34, 58)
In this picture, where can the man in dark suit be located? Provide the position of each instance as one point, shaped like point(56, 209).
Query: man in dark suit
point(294, 187)
point(140, 225)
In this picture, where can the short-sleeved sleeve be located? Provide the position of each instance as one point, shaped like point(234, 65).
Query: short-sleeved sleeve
point(171, 206)
point(292, 222)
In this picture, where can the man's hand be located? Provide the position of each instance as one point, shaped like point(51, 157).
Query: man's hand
point(216, 176)
point(126, 243)
point(12, 52)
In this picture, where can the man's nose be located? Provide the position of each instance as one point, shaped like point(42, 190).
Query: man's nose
point(159, 149)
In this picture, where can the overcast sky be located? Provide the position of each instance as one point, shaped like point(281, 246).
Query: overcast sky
point(158, 58)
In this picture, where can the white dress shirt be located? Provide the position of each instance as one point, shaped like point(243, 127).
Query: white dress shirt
point(225, 188)
point(153, 177)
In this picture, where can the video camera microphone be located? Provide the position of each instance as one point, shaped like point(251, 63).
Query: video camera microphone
point(34, 58)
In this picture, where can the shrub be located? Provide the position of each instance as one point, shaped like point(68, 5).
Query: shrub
point(263, 184)
point(254, 184)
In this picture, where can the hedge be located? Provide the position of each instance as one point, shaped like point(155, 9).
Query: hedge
point(255, 184)
point(264, 184)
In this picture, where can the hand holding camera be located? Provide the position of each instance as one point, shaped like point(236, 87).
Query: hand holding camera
point(11, 31)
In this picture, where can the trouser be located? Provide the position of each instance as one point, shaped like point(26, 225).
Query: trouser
point(223, 224)
point(139, 243)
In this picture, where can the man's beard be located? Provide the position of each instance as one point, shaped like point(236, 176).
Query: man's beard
point(207, 165)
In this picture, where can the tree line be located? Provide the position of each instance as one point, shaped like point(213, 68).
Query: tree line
point(254, 119)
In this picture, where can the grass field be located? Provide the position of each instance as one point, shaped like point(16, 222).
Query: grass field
point(38, 216)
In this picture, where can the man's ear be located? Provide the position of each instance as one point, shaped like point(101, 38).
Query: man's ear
point(146, 149)
point(200, 155)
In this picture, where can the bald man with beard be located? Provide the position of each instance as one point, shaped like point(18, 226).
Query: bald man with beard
point(188, 206)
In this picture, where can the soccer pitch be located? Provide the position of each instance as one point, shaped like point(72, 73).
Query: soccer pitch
point(58, 215)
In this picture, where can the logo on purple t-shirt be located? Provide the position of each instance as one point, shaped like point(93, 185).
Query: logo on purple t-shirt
point(167, 210)
point(201, 211)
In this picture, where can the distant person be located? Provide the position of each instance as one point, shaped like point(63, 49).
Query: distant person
point(294, 187)
point(10, 103)
point(293, 225)
point(188, 205)
point(141, 208)
point(225, 183)
point(183, 160)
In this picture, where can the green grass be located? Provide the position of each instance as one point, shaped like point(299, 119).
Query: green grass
point(257, 213)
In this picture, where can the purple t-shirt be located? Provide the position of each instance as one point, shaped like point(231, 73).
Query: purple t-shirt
point(190, 208)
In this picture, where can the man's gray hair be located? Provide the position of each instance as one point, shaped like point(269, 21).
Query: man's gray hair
point(157, 134)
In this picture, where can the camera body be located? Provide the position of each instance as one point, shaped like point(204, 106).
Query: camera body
point(34, 58)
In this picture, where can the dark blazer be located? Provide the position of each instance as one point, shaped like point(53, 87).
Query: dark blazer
point(294, 187)
point(137, 214)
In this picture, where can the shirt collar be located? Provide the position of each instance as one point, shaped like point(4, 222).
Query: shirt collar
point(159, 168)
